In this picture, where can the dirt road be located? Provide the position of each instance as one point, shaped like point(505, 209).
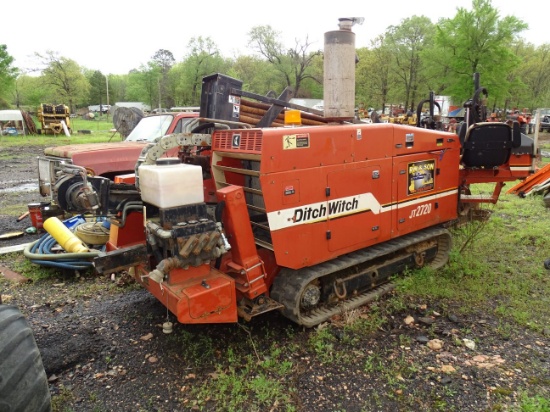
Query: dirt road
point(18, 188)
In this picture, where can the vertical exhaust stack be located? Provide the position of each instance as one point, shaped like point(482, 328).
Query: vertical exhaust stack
point(339, 70)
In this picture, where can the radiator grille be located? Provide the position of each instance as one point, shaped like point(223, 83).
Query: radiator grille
point(250, 140)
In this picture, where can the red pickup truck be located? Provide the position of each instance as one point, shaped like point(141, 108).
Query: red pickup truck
point(110, 159)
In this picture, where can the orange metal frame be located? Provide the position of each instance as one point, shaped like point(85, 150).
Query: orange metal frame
point(245, 264)
point(525, 187)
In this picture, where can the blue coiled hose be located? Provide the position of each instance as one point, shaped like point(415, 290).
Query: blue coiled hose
point(40, 252)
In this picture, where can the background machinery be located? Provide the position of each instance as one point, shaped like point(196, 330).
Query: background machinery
point(54, 118)
point(309, 220)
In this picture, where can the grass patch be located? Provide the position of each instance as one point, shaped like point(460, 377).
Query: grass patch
point(62, 401)
point(501, 268)
point(100, 132)
point(49, 140)
point(32, 271)
point(13, 210)
point(534, 404)
point(245, 383)
point(322, 343)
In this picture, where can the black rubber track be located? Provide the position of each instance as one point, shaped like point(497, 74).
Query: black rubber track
point(289, 284)
point(23, 381)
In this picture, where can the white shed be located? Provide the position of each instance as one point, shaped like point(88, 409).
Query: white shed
point(12, 123)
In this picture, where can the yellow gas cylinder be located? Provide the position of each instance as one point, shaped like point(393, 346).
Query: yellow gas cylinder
point(66, 239)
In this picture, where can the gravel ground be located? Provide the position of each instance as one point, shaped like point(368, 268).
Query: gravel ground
point(18, 188)
point(103, 348)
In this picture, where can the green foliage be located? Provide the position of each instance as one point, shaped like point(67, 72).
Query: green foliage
point(117, 88)
point(248, 68)
point(31, 92)
point(373, 74)
point(164, 59)
point(245, 384)
point(294, 65)
point(8, 74)
point(369, 322)
point(472, 42)
point(143, 84)
point(62, 401)
point(33, 271)
point(98, 88)
point(202, 60)
point(65, 79)
point(183, 82)
point(312, 86)
point(534, 74)
point(534, 404)
point(322, 342)
point(407, 42)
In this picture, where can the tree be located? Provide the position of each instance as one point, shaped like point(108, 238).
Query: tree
point(164, 59)
point(257, 75)
point(478, 41)
point(180, 92)
point(406, 43)
point(312, 86)
point(8, 74)
point(65, 78)
point(202, 60)
point(293, 65)
point(117, 87)
point(30, 91)
point(98, 88)
point(373, 74)
point(143, 84)
point(534, 73)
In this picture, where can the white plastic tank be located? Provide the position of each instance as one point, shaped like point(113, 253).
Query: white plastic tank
point(170, 183)
point(339, 70)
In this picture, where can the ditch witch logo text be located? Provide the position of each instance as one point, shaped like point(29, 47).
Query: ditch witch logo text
point(334, 208)
point(323, 211)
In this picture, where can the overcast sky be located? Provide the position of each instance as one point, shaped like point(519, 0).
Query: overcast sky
point(119, 35)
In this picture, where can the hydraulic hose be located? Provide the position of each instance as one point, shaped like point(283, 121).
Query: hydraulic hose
point(40, 252)
point(63, 265)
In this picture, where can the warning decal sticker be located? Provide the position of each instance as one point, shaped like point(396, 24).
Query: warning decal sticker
point(295, 141)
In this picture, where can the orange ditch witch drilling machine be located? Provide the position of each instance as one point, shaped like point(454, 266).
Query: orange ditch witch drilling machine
point(306, 220)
